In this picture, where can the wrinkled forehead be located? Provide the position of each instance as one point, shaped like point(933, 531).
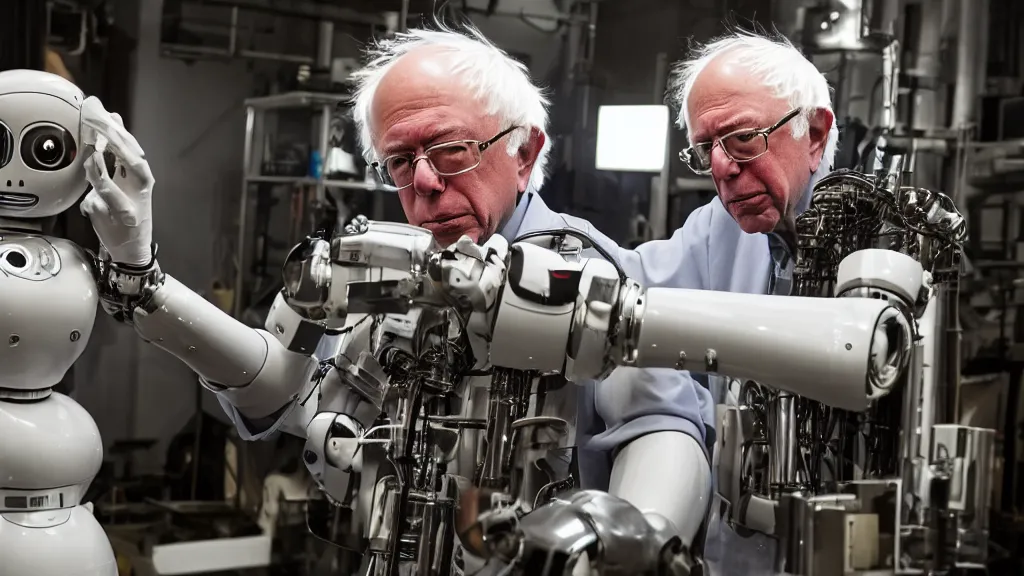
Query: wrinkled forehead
point(726, 95)
point(422, 96)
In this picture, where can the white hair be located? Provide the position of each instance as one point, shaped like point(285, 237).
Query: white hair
point(779, 66)
point(500, 82)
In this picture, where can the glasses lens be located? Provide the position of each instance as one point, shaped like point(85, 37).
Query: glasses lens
point(745, 145)
point(697, 158)
point(398, 171)
point(454, 158)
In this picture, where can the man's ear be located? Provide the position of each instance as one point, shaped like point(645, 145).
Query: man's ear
point(819, 126)
point(527, 156)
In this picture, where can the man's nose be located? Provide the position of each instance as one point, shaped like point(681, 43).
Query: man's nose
point(425, 180)
point(722, 166)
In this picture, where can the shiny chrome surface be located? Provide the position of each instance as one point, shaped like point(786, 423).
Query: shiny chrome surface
point(452, 445)
point(828, 470)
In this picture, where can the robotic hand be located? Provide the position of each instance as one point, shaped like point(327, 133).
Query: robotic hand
point(120, 208)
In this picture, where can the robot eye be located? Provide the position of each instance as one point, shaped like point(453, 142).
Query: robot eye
point(6, 145)
point(47, 147)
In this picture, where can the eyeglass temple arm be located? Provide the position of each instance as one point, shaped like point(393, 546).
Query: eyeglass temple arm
point(792, 114)
point(485, 145)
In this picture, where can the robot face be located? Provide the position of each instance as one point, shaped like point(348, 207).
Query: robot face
point(41, 154)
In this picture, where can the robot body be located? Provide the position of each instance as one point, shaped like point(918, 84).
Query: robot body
point(48, 302)
point(48, 309)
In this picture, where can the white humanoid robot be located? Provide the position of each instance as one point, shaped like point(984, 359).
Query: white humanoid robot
point(529, 308)
point(51, 448)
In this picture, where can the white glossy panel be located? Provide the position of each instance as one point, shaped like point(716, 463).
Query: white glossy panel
point(884, 269)
point(48, 305)
point(819, 348)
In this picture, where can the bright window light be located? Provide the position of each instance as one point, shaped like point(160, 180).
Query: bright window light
point(632, 138)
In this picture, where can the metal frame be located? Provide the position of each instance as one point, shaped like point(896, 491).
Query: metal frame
point(255, 110)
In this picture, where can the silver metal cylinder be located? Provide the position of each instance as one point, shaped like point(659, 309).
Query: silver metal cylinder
point(324, 44)
point(969, 33)
point(783, 451)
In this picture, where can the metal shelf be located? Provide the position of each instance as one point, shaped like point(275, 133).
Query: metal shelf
point(297, 100)
point(310, 181)
point(260, 113)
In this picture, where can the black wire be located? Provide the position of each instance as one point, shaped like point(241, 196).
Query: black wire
point(580, 236)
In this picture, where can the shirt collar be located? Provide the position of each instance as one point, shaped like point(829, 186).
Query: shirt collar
point(511, 229)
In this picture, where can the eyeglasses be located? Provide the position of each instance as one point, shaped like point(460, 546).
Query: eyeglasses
point(740, 146)
point(447, 159)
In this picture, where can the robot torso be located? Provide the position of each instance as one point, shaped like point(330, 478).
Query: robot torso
point(48, 303)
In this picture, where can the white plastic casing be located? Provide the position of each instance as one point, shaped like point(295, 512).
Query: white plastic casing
point(819, 348)
point(30, 98)
point(48, 305)
point(51, 451)
point(530, 335)
point(67, 542)
point(883, 269)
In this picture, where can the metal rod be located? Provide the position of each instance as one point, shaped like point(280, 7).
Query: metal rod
point(657, 209)
point(324, 44)
point(523, 14)
point(784, 446)
point(183, 50)
point(965, 92)
point(303, 10)
point(589, 59)
point(233, 37)
point(243, 210)
point(403, 17)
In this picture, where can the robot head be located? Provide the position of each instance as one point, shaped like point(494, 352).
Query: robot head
point(41, 153)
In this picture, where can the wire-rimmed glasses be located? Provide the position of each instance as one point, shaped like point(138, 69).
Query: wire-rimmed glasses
point(446, 159)
point(740, 146)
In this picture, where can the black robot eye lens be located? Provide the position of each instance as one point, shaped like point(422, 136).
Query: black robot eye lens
point(47, 147)
point(47, 150)
point(6, 145)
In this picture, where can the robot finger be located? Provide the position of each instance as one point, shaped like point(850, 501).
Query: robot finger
point(98, 122)
point(118, 203)
point(93, 206)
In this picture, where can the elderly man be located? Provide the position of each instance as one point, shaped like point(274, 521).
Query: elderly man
point(458, 128)
point(760, 123)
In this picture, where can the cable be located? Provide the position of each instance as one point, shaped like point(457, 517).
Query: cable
point(579, 236)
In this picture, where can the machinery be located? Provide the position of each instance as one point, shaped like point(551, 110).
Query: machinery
point(434, 468)
point(897, 487)
point(514, 313)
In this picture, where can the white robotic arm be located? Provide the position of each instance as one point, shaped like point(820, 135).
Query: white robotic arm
point(582, 319)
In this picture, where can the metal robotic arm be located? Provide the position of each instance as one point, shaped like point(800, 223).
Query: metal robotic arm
point(256, 371)
point(532, 309)
point(583, 319)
